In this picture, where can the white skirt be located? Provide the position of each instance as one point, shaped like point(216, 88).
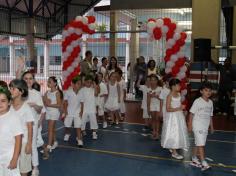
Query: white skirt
point(112, 104)
point(174, 131)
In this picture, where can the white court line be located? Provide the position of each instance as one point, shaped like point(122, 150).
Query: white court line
point(57, 129)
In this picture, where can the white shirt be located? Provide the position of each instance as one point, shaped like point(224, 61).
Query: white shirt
point(35, 97)
point(25, 115)
point(103, 70)
point(103, 89)
point(52, 96)
point(73, 100)
point(10, 126)
point(163, 96)
point(122, 88)
point(203, 111)
point(145, 90)
point(89, 100)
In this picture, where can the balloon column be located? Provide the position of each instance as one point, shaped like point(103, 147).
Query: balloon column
point(175, 40)
point(71, 38)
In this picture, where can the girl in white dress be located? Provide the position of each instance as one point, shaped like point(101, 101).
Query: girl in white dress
point(175, 134)
point(52, 101)
point(122, 85)
point(113, 99)
point(154, 105)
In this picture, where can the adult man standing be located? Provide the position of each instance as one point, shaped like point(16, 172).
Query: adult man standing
point(86, 64)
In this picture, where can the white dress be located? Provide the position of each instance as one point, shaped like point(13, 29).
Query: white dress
point(51, 112)
point(112, 99)
point(174, 131)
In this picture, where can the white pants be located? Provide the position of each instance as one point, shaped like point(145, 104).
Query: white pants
point(35, 157)
point(4, 171)
point(200, 137)
point(69, 120)
point(91, 118)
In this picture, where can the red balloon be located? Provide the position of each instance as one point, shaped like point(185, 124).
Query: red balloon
point(169, 34)
point(167, 21)
point(169, 52)
point(172, 26)
point(151, 19)
point(166, 58)
point(175, 48)
point(180, 42)
point(183, 35)
point(180, 62)
point(157, 33)
point(175, 70)
point(91, 19)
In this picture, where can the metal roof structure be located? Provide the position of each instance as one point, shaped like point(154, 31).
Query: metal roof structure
point(49, 16)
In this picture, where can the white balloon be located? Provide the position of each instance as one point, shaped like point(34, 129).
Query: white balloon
point(92, 26)
point(171, 42)
point(70, 69)
point(159, 23)
point(69, 49)
point(174, 58)
point(85, 20)
point(71, 30)
point(151, 25)
point(177, 36)
point(150, 31)
point(168, 46)
point(182, 98)
point(170, 64)
point(79, 18)
point(184, 92)
point(164, 29)
point(180, 54)
point(65, 33)
point(183, 69)
point(167, 70)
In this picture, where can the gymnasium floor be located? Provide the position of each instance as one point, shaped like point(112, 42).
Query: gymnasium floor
point(127, 150)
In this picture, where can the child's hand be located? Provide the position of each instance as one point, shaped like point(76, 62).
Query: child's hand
point(28, 148)
point(13, 164)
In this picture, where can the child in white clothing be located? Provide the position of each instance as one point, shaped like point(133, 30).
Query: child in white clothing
point(72, 108)
point(19, 92)
point(154, 105)
point(101, 98)
point(11, 136)
point(52, 101)
point(113, 99)
point(122, 85)
point(174, 133)
point(145, 89)
point(88, 107)
point(200, 119)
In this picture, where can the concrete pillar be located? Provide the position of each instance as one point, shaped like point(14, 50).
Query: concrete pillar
point(234, 37)
point(113, 28)
point(134, 50)
point(46, 59)
point(31, 56)
point(206, 22)
point(127, 58)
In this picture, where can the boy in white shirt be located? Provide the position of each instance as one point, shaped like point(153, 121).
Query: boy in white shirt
point(88, 107)
point(72, 108)
point(200, 119)
point(11, 135)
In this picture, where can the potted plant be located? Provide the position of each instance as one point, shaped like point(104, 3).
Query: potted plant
point(102, 28)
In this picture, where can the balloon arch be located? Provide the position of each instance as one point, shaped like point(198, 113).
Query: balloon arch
point(175, 57)
point(71, 39)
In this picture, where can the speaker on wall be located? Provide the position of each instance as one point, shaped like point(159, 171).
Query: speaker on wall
point(202, 49)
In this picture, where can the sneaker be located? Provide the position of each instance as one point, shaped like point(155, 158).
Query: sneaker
point(104, 125)
point(177, 156)
point(171, 151)
point(205, 166)
point(117, 122)
point(195, 162)
point(95, 136)
point(35, 172)
point(55, 145)
point(79, 142)
point(66, 137)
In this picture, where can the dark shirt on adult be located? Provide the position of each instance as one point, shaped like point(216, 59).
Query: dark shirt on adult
point(226, 77)
point(140, 72)
point(85, 67)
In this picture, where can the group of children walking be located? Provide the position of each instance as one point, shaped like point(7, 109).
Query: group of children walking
point(22, 109)
point(164, 102)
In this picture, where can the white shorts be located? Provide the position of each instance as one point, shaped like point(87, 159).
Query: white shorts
point(24, 160)
point(70, 119)
point(200, 137)
point(52, 115)
point(145, 114)
point(91, 118)
point(4, 171)
point(122, 107)
point(155, 108)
